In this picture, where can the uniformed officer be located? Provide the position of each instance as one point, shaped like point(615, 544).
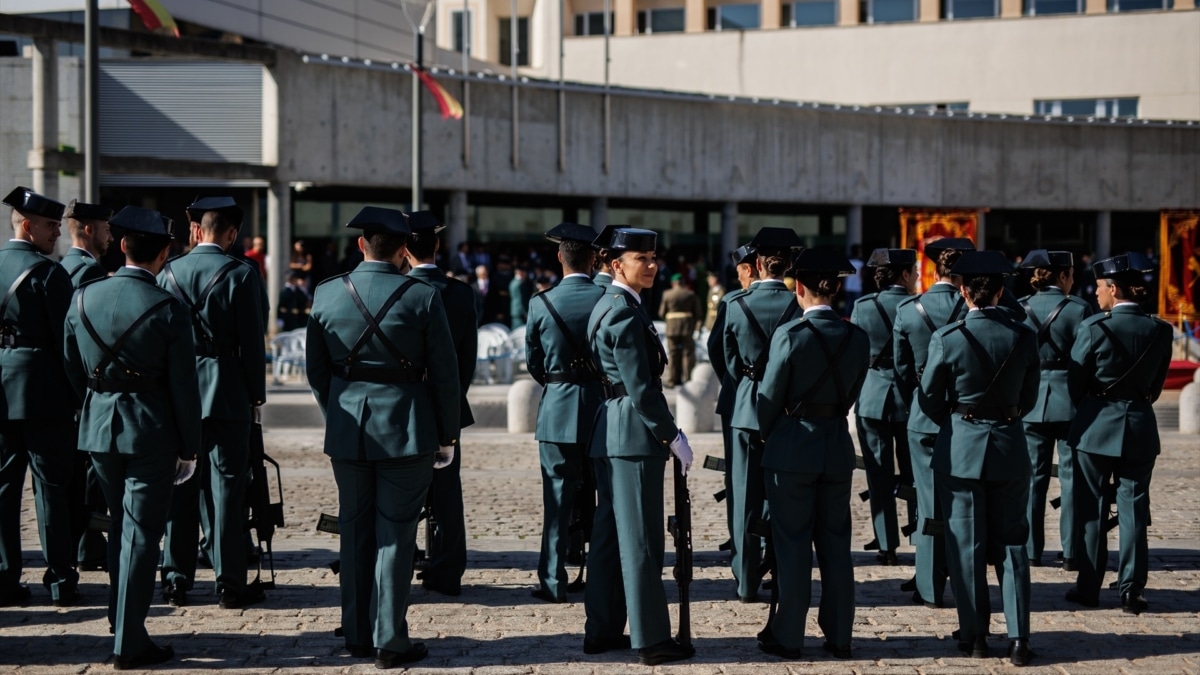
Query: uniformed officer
point(558, 357)
point(882, 414)
point(37, 404)
point(604, 274)
point(818, 364)
point(1119, 363)
point(131, 358)
point(224, 296)
point(680, 309)
point(293, 303)
point(633, 436)
point(1055, 314)
point(716, 292)
point(90, 238)
point(382, 365)
point(981, 378)
point(750, 321)
point(917, 318)
point(448, 560)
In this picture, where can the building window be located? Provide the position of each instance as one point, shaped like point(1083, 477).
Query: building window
point(592, 23)
point(810, 13)
point(956, 106)
point(1048, 7)
point(733, 17)
point(461, 30)
point(887, 11)
point(522, 41)
point(667, 20)
point(1139, 5)
point(970, 9)
point(1088, 107)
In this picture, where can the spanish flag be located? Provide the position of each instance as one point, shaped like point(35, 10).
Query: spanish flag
point(154, 15)
point(449, 105)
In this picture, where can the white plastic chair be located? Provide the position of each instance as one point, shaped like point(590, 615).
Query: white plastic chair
point(288, 354)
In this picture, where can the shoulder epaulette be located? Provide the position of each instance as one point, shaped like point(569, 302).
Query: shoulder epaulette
point(868, 296)
point(910, 299)
point(171, 260)
point(336, 276)
point(951, 327)
point(89, 282)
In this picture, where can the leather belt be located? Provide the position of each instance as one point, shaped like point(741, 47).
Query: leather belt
point(815, 412)
point(994, 413)
point(1055, 364)
point(883, 363)
point(671, 316)
point(107, 386)
point(9, 341)
point(209, 350)
point(751, 373)
point(1122, 399)
point(569, 378)
point(382, 375)
point(612, 391)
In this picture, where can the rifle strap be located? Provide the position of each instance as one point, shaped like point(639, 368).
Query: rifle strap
point(12, 290)
point(575, 346)
point(372, 328)
point(112, 353)
point(199, 321)
point(1124, 355)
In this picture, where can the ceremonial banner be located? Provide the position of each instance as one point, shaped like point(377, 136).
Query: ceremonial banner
point(1179, 276)
point(919, 227)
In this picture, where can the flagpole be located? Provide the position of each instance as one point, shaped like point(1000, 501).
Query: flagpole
point(91, 105)
point(418, 30)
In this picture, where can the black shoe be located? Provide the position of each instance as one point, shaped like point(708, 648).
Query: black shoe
point(909, 586)
point(601, 645)
point(152, 656)
point(887, 558)
point(1133, 602)
point(768, 585)
point(1079, 598)
point(231, 599)
point(543, 594)
point(1019, 652)
point(93, 566)
point(17, 597)
point(750, 599)
point(838, 652)
point(931, 604)
point(776, 649)
point(202, 560)
point(872, 545)
point(1035, 561)
point(67, 598)
point(667, 650)
point(452, 590)
point(576, 586)
point(174, 594)
point(978, 649)
point(1069, 565)
point(360, 652)
point(386, 660)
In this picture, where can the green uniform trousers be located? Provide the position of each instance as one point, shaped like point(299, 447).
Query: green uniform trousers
point(86, 498)
point(219, 488)
point(986, 524)
point(930, 572)
point(1041, 437)
point(625, 562)
point(135, 487)
point(681, 359)
point(727, 446)
point(885, 450)
point(46, 448)
point(1132, 478)
point(379, 506)
point(562, 473)
point(448, 559)
point(811, 510)
point(749, 502)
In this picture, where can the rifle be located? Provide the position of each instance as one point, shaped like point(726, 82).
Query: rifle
point(718, 464)
point(265, 515)
point(583, 512)
point(770, 565)
point(680, 527)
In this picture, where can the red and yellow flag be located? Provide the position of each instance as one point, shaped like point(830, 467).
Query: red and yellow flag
point(1179, 277)
point(919, 227)
point(447, 104)
point(154, 15)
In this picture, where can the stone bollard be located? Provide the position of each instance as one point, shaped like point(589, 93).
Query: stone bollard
point(1189, 406)
point(696, 401)
point(524, 396)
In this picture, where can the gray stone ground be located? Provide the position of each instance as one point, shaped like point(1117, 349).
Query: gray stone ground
point(496, 628)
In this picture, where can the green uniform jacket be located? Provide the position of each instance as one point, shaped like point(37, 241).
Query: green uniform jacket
point(1054, 401)
point(368, 421)
point(459, 300)
point(603, 280)
point(768, 302)
point(33, 385)
point(627, 351)
point(716, 354)
point(232, 316)
point(880, 398)
point(954, 375)
point(811, 445)
point(1122, 424)
point(81, 267)
point(911, 334)
point(567, 409)
point(162, 347)
point(684, 301)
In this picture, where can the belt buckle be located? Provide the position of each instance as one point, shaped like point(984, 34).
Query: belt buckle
point(8, 341)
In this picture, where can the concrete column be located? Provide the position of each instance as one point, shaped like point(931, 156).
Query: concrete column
point(45, 112)
point(1010, 9)
point(1103, 235)
point(624, 17)
point(928, 10)
point(729, 229)
point(695, 17)
point(456, 230)
point(279, 245)
point(1096, 6)
point(769, 13)
point(599, 217)
point(847, 12)
point(981, 230)
point(854, 226)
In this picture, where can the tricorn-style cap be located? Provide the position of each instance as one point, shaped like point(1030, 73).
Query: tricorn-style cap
point(815, 261)
point(80, 211)
point(982, 264)
point(378, 220)
point(571, 232)
point(146, 222)
point(776, 238)
point(959, 243)
point(1120, 265)
point(423, 222)
point(888, 257)
point(603, 239)
point(226, 205)
point(744, 254)
point(31, 203)
point(633, 239)
point(1040, 257)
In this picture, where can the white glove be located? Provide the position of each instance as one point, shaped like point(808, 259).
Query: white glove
point(681, 449)
point(445, 455)
point(184, 468)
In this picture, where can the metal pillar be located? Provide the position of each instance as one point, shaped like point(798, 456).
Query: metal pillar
point(45, 112)
point(981, 230)
point(91, 104)
point(456, 232)
point(854, 227)
point(279, 243)
point(599, 215)
point(1103, 235)
point(729, 230)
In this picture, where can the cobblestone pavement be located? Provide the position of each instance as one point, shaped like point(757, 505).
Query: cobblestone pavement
point(496, 628)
